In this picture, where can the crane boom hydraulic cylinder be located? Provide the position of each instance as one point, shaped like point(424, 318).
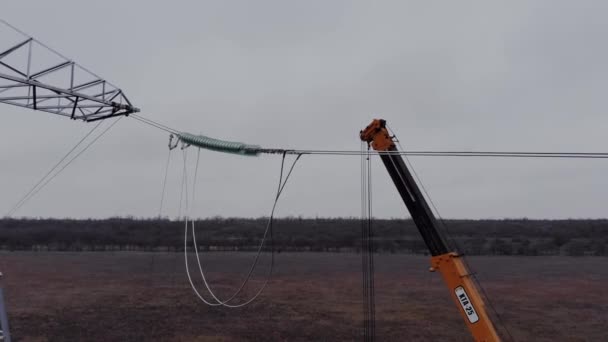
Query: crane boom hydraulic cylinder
point(450, 264)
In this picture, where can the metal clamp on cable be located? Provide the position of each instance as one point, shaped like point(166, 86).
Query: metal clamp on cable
point(172, 145)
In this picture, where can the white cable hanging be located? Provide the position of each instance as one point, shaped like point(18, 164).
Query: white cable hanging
point(268, 231)
point(186, 237)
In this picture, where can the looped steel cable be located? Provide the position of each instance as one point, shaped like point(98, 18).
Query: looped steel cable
point(268, 231)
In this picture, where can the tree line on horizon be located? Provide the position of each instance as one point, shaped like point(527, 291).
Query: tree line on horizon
point(473, 237)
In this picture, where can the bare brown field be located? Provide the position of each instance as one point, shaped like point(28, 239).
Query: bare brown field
point(313, 297)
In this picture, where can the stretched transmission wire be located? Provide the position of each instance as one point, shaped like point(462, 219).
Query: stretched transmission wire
point(370, 242)
point(364, 256)
point(35, 190)
point(268, 231)
point(24, 198)
point(367, 250)
point(453, 241)
point(184, 183)
point(162, 195)
point(254, 149)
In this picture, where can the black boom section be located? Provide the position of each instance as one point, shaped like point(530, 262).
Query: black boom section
point(416, 204)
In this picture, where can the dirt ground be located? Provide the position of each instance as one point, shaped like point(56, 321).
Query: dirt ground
point(312, 297)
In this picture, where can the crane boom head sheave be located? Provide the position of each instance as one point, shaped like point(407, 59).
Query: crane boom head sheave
point(376, 135)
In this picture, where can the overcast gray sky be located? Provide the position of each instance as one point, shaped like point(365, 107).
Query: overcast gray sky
point(472, 75)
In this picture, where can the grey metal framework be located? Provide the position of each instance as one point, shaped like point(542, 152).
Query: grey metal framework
point(34, 76)
point(5, 335)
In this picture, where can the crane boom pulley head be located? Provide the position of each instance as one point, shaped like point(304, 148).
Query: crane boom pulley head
point(376, 135)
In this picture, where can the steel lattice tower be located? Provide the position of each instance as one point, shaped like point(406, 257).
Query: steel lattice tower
point(34, 76)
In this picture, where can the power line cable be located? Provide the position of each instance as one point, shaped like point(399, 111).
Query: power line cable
point(153, 123)
point(364, 249)
point(70, 162)
point(370, 243)
point(18, 204)
point(268, 231)
point(186, 241)
point(162, 196)
point(495, 154)
point(181, 192)
point(371, 252)
point(367, 249)
point(268, 228)
point(426, 194)
point(417, 153)
point(452, 240)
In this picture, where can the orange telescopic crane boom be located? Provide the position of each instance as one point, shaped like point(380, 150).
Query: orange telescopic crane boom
point(449, 263)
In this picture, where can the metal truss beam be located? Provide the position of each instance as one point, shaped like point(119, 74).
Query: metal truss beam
point(65, 88)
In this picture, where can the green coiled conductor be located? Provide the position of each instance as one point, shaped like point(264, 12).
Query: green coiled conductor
point(219, 145)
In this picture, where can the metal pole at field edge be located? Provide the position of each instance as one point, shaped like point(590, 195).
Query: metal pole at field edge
point(5, 335)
